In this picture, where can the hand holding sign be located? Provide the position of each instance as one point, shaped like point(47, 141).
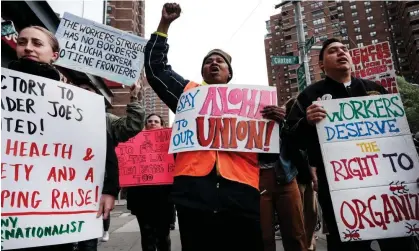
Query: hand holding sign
point(135, 89)
point(315, 113)
point(273, 112)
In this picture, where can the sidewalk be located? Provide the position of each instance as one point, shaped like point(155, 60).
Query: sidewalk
point(125, 234)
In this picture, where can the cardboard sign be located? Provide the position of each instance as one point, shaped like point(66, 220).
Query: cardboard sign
point(371, 166)
point(52, 161)
point(101, 50)
point(144, 159)
point(225, 118)
point(375, 62)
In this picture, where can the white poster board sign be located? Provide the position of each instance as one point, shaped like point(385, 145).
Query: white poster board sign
point(225, 118)
point(371, 166)
point(52, 161)
point(101, 50)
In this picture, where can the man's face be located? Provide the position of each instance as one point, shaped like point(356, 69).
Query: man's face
point(215, 70)
point(336, 57)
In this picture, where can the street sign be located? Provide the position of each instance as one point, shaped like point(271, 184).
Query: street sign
point(278, 60)
point(301, 77)
point(309, 43)
point(301, 72)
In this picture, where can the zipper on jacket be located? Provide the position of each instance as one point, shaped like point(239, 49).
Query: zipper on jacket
point(217, 169)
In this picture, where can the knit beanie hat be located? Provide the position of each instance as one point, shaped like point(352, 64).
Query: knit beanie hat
point(224, 55)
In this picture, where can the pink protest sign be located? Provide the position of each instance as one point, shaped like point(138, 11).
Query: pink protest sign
point(144, 159)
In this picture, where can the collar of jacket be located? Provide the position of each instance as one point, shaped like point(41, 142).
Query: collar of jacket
point(357, 86)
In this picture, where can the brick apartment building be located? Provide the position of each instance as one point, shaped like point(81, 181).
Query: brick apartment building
point(130, 16)
point(357, 23)
point(404, 20)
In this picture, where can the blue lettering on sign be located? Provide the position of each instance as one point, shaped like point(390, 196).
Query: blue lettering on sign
point(183, 138)
point(361, 129)
point(186, 102)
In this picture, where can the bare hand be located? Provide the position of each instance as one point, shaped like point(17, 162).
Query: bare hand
point(107, 203)
point(135, 89)
point(315, 113)
point(170, 12)
point(273, 112)
point(316, 185)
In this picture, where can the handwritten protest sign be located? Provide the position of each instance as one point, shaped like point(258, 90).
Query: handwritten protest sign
point(52, 161)
point(375, 62)
point(371, 167)
point(225, 118)
point(144, 159)
point(101, 50)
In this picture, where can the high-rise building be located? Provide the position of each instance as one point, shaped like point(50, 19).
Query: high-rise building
point(130, 16)
point(404, 20)
point(356, 23)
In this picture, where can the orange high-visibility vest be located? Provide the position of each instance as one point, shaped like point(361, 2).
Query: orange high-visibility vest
point(241, 167)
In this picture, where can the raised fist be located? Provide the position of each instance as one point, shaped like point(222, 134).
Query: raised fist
point(170, 12)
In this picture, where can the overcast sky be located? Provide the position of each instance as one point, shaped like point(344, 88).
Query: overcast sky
point(236, 26)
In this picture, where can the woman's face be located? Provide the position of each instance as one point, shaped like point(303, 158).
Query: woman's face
point(33, 44)
point(153, 123)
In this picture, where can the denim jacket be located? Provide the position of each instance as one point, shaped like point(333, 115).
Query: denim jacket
point(285, 170)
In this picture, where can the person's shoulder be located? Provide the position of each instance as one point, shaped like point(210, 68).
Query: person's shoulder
point(371, 87)
point(313, 89)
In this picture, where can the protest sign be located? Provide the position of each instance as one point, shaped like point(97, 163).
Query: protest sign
point(375, 62)
point(144, 159)
point(371, 166)
point(225, 118)
point(52, 161)
point(101, 50)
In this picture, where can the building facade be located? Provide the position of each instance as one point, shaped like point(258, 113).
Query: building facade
point(357, 23)
point(404, 21)
point(130, 16)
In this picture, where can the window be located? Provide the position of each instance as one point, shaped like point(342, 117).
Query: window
point(367, 3)
point(356, 21)
point(361, 45)
point(368, 10)
point(108, 9)
point(353, 7)
point(340, 15)
point(373, 34)
point(344, 31)
point(342, 22)
point(319, 21)
point(335, 25)
point(108, 21)
point(340, 8)
point(374, 41)
point(317, 14)
point(316, 4)
point(371, 25)
point(359, 37)
point(354, 14)
point(321, 38)
point(370, 18)
point(414, 13)
point(357, 29)
point(320, 29)
point(345, 38)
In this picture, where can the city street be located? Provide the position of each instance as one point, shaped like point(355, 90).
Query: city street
point(125, 234)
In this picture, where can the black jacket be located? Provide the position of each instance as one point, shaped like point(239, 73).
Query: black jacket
point(306, 135)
